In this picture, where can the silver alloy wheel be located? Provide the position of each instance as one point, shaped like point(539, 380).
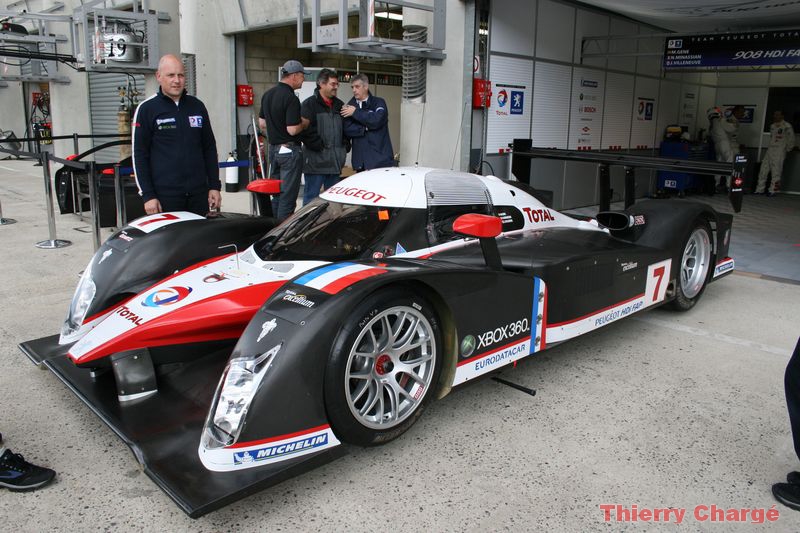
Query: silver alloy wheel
point(695, 263)
point(390, 367)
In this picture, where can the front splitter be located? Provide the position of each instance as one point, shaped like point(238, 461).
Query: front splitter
point(163, 430)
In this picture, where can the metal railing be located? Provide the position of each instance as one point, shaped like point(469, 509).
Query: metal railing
point(630, 163)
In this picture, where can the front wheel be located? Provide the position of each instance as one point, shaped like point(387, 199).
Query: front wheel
point(694, 267)
point(383, 368)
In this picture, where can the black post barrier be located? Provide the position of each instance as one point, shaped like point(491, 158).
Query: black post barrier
point(75, 145)
point(38, 147)
point(630, 186)
point(119, 199)
point(5, 221)
point(94, 204)
point(604, 180)
point(52, 242)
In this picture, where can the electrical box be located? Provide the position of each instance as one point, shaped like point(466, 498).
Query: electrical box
point(244, 95)
point(481, 93)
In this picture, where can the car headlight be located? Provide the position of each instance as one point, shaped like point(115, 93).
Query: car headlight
point(238, 386)
point(81, 301)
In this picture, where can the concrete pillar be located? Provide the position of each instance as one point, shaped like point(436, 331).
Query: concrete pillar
point(432, 133)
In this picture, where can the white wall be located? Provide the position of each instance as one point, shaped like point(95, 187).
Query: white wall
point(13, 114)
point(431, 132)
point(201, 35)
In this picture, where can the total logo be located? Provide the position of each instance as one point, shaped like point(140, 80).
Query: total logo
point(168, 296)
point(496, 335)
point(502, 98)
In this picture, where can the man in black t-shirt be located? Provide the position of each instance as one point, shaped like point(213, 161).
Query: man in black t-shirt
point(280, 116)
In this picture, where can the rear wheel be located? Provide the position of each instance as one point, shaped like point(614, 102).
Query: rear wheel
point(383, 369)
point(694, 267)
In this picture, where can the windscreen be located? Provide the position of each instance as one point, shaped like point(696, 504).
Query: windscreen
point(334, 231)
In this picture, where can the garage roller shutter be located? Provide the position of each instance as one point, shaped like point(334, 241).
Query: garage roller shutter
point(104, 102)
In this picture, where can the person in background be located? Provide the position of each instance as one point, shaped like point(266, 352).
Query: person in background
point(322, 167)
point(789, 493)
point(174, 150)
point(781, 140)
point(366, 124)
point(280, 117)
point(720, 130)
point(18, 475)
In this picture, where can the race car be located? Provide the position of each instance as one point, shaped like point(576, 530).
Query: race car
point(233, 353)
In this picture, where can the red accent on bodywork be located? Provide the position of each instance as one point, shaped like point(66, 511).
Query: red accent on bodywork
point(265, 186)
point(476, 225)
point(346, 281)
point(217, 318)
point(71, 157)
point(279, 437)
point(188, 269)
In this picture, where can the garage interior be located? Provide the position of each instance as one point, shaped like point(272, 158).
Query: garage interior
point(661, 411)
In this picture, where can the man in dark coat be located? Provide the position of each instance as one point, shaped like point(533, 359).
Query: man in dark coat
point(366, 124)
point(174, 150)
point(323, 160)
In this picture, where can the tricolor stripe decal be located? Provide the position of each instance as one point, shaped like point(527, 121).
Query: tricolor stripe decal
point(333, 278)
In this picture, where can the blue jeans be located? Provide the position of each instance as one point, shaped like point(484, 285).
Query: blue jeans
point(286, 167)
point(314, 182)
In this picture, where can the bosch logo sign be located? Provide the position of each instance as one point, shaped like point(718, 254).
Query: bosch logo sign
point(502, 333)
point(166, 296)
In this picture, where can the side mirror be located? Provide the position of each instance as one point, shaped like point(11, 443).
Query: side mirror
point(485, 228)
point(478, 226)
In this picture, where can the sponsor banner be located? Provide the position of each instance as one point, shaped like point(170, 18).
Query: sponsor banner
point(492, 360)
point(745, 49)
point(723, 267)
point(587, 109)
point(644, 108)
point(333, 278)
point(749, 111)
point(268, 451)
point(567, 330)
point(153, 222)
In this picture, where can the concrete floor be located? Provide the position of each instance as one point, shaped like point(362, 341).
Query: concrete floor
point(661, 410)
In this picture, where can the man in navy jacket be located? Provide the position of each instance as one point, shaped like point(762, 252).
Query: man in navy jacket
point(174, 150)
point(366, 123)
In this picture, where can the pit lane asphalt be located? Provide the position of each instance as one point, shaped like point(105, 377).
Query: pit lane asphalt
point(660, 410)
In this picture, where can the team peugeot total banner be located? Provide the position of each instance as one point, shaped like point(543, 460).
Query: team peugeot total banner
point(747, 49)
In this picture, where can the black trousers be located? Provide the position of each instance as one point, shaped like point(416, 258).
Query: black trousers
point(791, 383)
point(192, 202)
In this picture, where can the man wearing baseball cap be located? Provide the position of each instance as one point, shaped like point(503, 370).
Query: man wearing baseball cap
point(280, 116)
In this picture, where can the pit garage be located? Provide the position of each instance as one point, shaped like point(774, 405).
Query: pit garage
point(660, 416)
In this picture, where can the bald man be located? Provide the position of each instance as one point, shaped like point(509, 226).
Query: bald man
point(174, 150)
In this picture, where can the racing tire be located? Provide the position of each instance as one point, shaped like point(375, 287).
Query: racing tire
point(694, 267)
point(383, 368)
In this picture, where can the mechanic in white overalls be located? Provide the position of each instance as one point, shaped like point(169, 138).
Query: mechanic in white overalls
point(720, 130)
point(781, 140)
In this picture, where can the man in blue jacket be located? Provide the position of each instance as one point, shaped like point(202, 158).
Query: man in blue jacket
point(174, 150)
point(366, 123)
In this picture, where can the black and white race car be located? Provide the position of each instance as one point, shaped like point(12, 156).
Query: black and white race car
point(231, 353)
